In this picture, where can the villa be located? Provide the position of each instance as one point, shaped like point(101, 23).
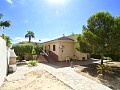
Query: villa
point(63, 48)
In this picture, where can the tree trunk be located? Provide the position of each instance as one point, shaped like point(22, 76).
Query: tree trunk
point(29, 39)
point(101, 58)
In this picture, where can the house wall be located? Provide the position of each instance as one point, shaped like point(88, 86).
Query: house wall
point(51, 47)
point(68, 50)
point(3, 60)
point(79, 55)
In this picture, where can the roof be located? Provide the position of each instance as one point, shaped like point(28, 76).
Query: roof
point(61, 38)
point(64, 38)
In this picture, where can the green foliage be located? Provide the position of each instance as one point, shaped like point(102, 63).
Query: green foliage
point(101, 32)
point(32, 63)
point(82, 45)
point(103, 69)
point(7, 39)
point(115, 57)
point(98, 31)
point(22, 49)
point(38, 49)
point(29, 35)
point(4, 24)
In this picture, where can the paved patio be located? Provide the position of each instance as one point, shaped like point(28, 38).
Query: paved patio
point(67, 64)
point(66, 74)
point(73, 79)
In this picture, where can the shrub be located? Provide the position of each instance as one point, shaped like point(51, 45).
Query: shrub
point(38, 49)
point(22, 49)
point(32, 63)
point(103, 69)
point(115, 57)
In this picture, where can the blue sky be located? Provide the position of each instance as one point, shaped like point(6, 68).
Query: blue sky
point(50, 19)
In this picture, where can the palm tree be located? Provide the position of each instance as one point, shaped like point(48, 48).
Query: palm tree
point(29, 35)
point(4, 23)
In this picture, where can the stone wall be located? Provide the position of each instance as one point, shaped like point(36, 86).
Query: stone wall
point(3, 60)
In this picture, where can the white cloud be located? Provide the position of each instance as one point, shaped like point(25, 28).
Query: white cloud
point(9, 1)
point(20, 39)
point(45, 39)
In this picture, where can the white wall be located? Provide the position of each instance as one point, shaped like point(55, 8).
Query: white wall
point(3, 60)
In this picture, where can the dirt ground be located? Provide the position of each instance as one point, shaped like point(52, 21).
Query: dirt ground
point(111, 80)
point(36, 80)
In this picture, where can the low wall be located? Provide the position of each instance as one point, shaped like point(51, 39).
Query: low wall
point(3, 60)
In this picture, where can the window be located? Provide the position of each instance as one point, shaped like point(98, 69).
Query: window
point(53, 47)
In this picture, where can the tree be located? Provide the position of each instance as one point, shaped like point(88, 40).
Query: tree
point(7, 39)
point(115, 41)
point(82, 45)
point(4, 24)
point(98, 33)
point(29, 35)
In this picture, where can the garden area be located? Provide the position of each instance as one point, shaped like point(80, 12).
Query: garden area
point(111, 79)
point(27, 51)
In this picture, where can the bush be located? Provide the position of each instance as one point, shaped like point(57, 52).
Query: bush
point(115, 57)
point(38, 49)
point(22, 49)
point(32, 63)
point(103, 69)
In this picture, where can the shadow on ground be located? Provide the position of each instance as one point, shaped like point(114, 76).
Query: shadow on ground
point(67, 64)
point(111, 80)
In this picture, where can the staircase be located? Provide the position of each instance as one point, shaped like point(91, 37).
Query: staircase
point(44, 57)
point(53, 56)
point(41, 58)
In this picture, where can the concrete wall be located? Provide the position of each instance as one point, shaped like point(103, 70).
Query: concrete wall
point(3, 60)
